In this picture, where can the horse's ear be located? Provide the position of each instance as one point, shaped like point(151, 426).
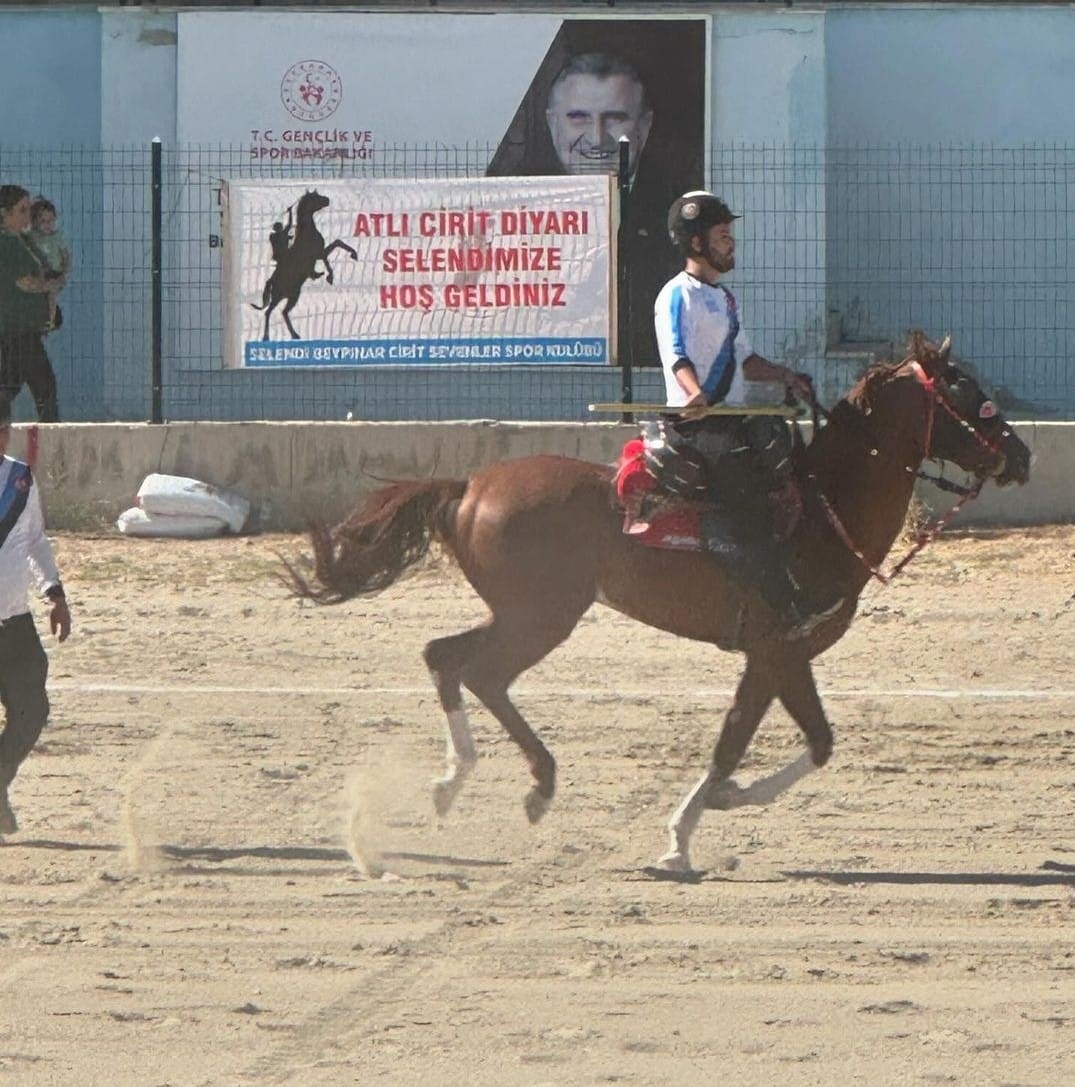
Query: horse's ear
point(916, 344)
point(946, 348)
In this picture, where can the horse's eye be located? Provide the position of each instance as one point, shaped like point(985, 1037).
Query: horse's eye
point(962, 396)
point(988, 410)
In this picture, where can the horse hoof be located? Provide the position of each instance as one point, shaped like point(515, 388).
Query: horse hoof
point(536, 806)
point(675, 861)
point(443, 796)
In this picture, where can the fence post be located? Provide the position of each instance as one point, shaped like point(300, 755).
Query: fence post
point(156, 304)
point(624, 348)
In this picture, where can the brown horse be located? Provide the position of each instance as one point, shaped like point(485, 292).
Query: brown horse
point(540, 539)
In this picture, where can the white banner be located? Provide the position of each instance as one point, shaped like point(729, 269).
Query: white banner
point(465, 270)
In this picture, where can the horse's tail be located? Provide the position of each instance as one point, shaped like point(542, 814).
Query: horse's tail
point(266, 294)
point(388, 533)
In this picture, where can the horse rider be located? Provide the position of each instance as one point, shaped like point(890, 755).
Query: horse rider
point(280, 238)
point(743, 462)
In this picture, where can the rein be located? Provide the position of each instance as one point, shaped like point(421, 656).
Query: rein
point(926, 535)
point(922, 538)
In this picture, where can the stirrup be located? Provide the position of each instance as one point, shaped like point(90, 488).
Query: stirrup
point(807, 626)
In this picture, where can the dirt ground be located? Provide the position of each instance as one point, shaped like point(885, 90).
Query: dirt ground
point(189, 899)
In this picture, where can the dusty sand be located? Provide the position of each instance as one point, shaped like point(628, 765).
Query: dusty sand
point(186, 902)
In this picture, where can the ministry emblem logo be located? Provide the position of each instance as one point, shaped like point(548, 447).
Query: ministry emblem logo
point(311, 90)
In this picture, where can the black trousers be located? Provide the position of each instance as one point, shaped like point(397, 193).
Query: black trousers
point(24, 668)
point(24, 361)
point(747, 456)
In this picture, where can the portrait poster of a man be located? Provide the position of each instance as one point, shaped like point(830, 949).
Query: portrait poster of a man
point(601, 80)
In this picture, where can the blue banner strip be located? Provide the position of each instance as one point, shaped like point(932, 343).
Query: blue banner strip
point(424, 352)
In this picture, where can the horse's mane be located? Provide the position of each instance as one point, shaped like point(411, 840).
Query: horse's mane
point(858, 396)
point(849, 412)
point(918, 347)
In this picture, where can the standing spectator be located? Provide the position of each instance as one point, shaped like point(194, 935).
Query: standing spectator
point(25, 557)
point(52, 247)
point(24, 308)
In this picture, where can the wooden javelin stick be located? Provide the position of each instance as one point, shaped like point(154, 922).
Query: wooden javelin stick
point(717, 409)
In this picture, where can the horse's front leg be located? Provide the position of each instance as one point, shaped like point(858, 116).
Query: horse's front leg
point(337, 244)
point(756, 690)
point(798, 693)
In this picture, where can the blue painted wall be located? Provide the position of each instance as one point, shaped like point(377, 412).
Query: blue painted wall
point(50, 81)
point(962, 74)
point(961, 220)
point(50, 84)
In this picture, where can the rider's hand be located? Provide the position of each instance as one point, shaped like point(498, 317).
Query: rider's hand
point(695, 407)
point(801, 386)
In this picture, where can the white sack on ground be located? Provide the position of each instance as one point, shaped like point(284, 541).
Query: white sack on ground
point(177, 495)
point(137, 522)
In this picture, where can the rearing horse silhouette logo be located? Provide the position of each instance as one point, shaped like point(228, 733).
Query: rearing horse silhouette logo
point(296, 259)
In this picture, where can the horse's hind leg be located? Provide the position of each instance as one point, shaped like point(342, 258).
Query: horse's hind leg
point(445, 658)
point(752, 697)
point(516, 641)
point(487, 660)
point(270, 306)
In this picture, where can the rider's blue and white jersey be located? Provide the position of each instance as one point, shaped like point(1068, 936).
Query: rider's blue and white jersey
point(698, 321)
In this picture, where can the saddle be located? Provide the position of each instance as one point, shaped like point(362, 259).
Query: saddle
point(690, 488)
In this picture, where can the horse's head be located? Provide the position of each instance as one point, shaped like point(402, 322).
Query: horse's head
point(968, 428)
point(929, 395)
point(311, 201)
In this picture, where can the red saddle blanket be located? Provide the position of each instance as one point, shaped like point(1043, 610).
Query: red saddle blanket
point(649, 518)
point(662, 520)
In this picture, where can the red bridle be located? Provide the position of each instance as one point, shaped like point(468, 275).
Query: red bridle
point(934, 396)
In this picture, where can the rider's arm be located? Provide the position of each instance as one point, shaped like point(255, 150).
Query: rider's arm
point(757, 368)
point(687, 379)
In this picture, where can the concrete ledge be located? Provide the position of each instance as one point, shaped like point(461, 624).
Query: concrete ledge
point(89, 472)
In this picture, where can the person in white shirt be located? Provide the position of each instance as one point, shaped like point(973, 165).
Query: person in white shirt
point(743, 460)
point(25, 559)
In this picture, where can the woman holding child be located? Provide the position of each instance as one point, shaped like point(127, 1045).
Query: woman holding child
point(26, 289)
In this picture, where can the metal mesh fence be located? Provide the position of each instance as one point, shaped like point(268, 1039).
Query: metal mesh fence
point(841, 251)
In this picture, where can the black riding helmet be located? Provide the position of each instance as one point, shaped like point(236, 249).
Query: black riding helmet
point(694, 213)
